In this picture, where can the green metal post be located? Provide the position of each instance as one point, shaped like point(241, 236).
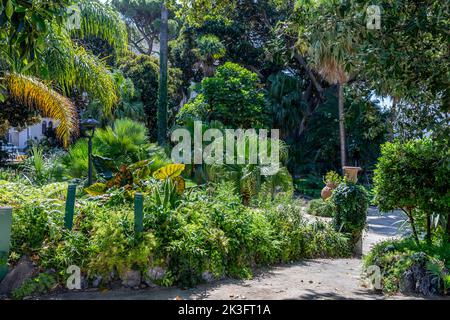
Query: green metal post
point(5, 239)
point(138, 212)
point(70, 206)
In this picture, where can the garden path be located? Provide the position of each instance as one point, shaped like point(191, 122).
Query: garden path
point(308, 279)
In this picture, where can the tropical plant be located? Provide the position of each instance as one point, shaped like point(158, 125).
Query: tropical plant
point(124, 142)
point(76, 160)
point(251, 180)
point(49, 54)
point(209, 50)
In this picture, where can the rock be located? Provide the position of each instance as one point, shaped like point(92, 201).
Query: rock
point(208, 276)
point(84, 283)
point(24, 270)
point(156, 273)
point(50, 271)
point(417, 280)
point(131, 279)
point(97, 281)
point(428, 285)
point(407, 282)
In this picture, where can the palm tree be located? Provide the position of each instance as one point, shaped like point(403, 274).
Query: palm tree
point(51, 66)
point(209, 50)
point(330, 45)
point(252, 179)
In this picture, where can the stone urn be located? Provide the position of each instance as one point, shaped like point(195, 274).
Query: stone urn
point(351, 173)
point(327, 190)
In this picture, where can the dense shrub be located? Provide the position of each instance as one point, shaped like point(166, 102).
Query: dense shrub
point(413, 176)
point(207, 232)
point(351, 203)
point(412, 267)
point(114, 246)
point(232, 96)
point(321, 208)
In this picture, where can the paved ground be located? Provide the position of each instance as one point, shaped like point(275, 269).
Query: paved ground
point(309, 279)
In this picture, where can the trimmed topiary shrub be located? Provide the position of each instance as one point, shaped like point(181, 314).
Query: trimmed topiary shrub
point(351, 202)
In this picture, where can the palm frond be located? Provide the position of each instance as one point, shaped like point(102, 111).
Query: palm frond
point(32, 93)
point(93, 76)
point(72, 67)
point(102, 21)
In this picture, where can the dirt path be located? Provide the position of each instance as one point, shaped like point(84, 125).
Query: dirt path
point(309, 279)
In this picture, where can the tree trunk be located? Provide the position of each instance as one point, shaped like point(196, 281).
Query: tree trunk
point(409, 214)
point(162, 96)
point(392, 119)
point(448, 228)
point(428, 228)
point(150, 42)
point(342, 125)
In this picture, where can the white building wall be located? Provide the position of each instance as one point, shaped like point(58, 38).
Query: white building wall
point(35, 132)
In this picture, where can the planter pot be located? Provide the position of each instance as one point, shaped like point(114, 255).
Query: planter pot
point(326, 193)
point(351, 173)
point(327, 190)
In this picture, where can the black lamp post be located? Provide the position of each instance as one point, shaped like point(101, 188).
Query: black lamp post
point(88, 126)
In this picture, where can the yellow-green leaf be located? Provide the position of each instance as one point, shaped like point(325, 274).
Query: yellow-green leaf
point(97, 189)
point(169, 171)
point(9, 10)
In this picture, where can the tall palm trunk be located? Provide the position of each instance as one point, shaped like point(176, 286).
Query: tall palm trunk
point(162, 97)
point(342, 125)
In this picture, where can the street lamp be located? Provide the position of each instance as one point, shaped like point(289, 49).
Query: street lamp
point(88, 126)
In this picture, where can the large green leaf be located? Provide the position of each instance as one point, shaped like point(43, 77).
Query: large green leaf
point(104, 166)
